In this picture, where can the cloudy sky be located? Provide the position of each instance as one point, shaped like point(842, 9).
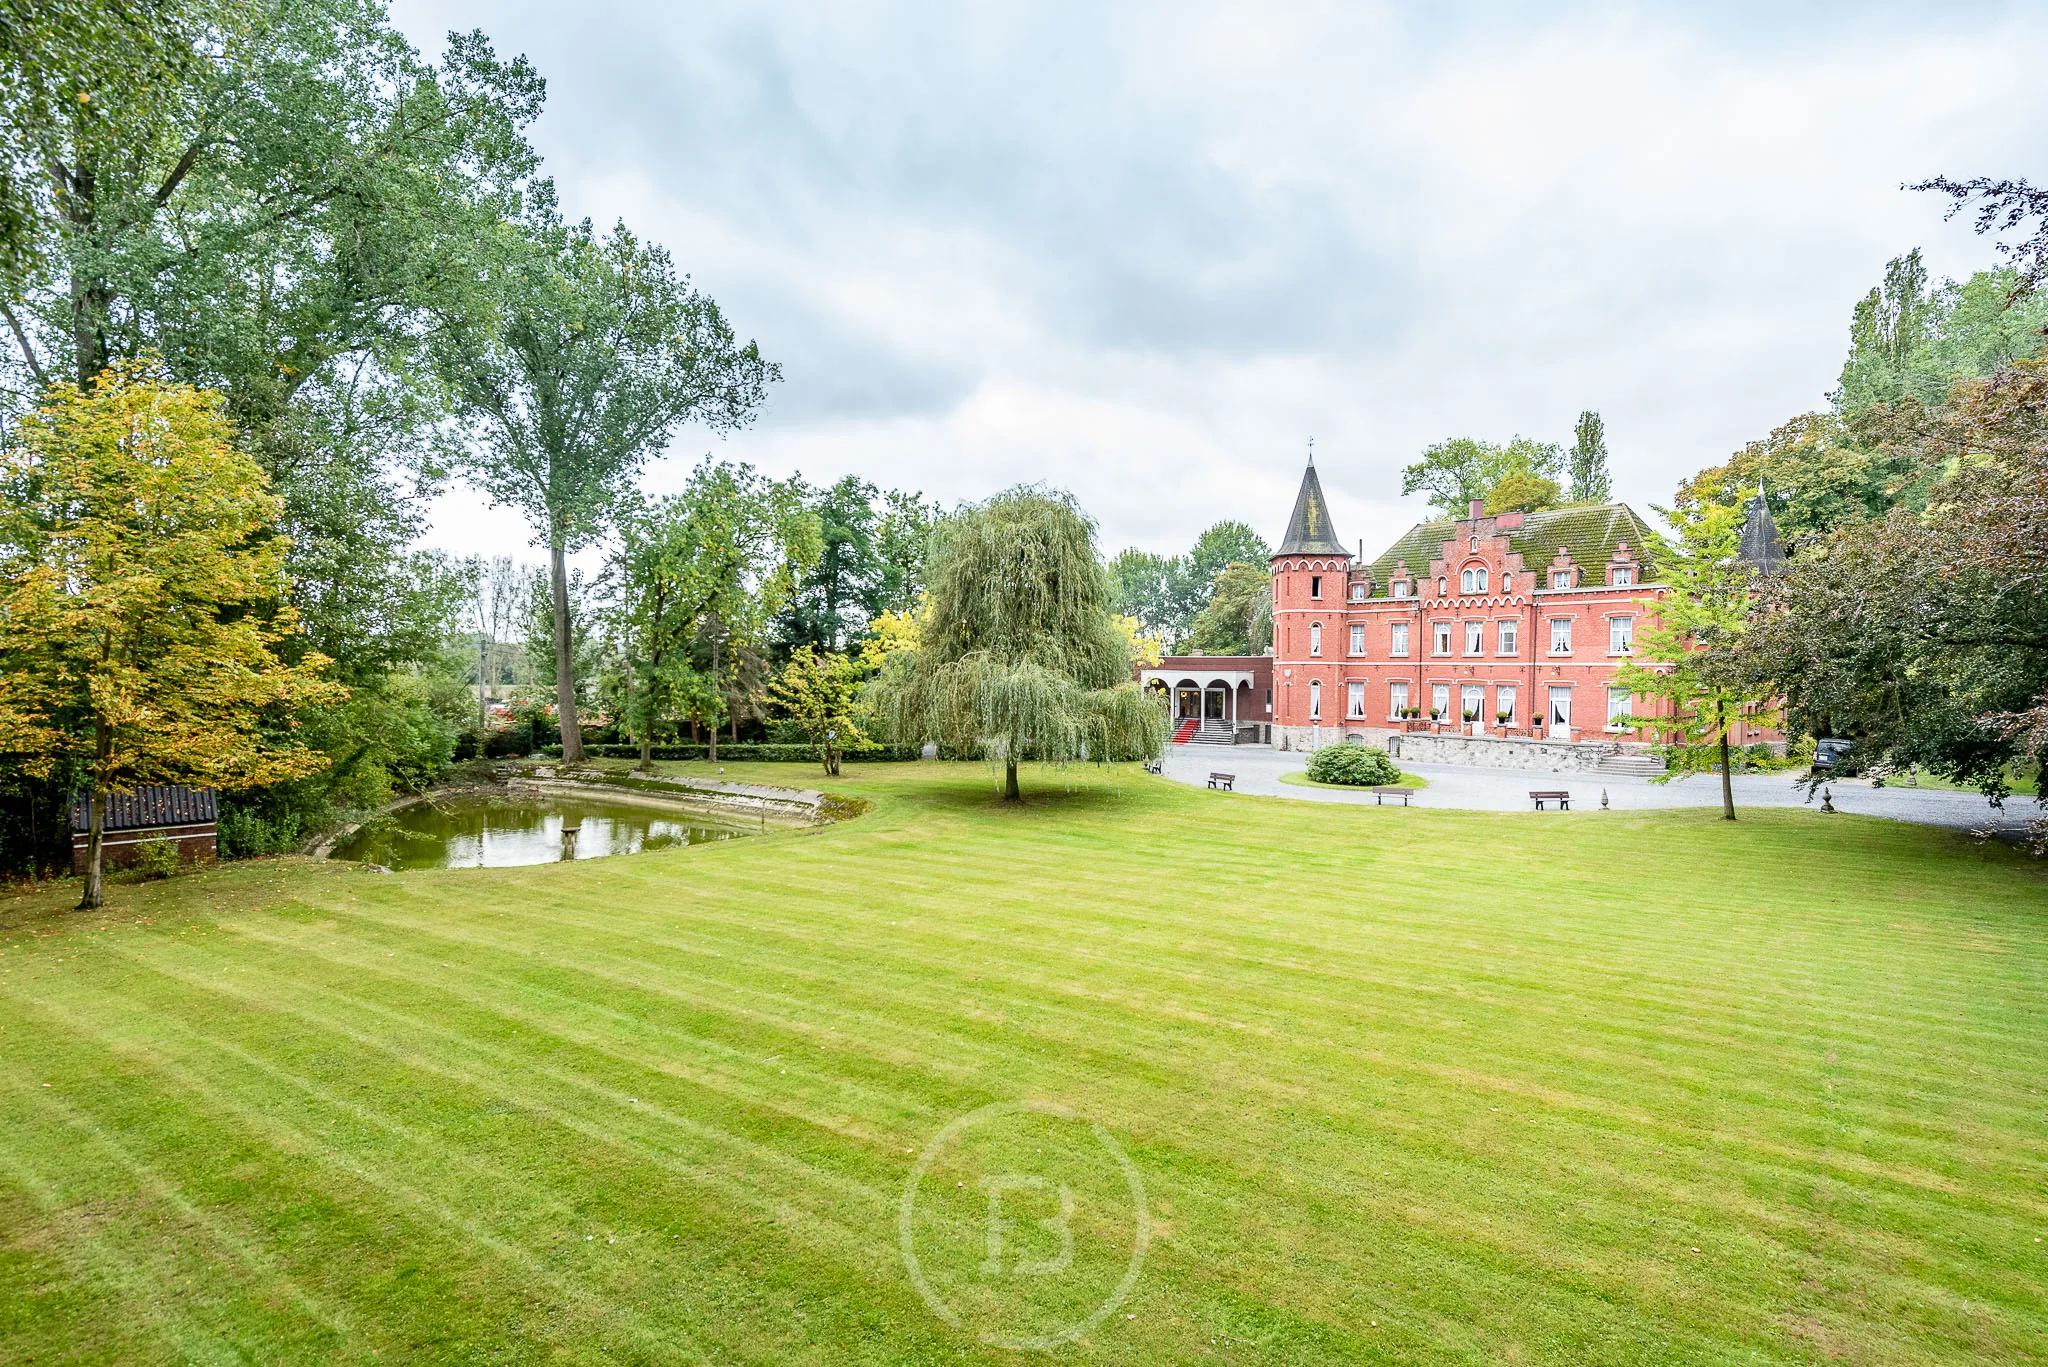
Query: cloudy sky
point(1145, 251)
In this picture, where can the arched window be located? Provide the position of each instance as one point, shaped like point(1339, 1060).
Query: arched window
point(1507, 582)
point(1472, 580)
point(1443, 586)
point(1315, 638)
point(1315, 699)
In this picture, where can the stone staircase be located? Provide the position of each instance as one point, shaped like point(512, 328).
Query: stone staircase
point(1630, 764)
point(1186, 730)
point(1213, 732)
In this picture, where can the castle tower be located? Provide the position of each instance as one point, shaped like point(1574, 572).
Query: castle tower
point(1311, 578)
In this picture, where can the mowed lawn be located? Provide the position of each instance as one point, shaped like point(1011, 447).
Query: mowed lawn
point(1402, 1086)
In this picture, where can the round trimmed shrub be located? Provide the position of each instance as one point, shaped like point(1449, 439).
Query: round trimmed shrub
point(1361, 766)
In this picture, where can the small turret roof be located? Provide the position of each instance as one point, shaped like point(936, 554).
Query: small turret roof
point(1309, 531)
point(1760, 548)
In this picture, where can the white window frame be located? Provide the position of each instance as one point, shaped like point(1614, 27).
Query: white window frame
point(1443, 586)
point(1358, 638)
point(1440, 638)
point(1473, 696)
point(1560, 579)
point(1358, 593)
point(1440, 699)
point(1507, 636)
point(1552, 721)
point(1400, 639)
point(1623, 697)
point(1622, 576)
point(1401, 587)
point(1504, 701)
point(1315, 586)
point(1557, 636)
point(1315, 699)
point(1315, 638)
point(1475, 638)
point(1621, 636)
point(1472, 579)
point(1355, 700)
point(1397, 699)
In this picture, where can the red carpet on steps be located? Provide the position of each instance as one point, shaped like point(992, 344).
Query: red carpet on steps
point(1187, 728)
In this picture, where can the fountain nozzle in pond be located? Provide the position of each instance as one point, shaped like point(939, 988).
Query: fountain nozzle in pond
point(569, 841)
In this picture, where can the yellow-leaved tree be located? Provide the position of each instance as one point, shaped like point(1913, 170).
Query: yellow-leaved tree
point(141, 588)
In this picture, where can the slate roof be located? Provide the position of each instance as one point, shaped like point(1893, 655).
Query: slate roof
point(1309, 531)
point(1590, 533)
point(1760, 549)
point(151, 806)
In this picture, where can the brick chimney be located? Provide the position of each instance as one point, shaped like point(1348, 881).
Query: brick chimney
point(1478, 509)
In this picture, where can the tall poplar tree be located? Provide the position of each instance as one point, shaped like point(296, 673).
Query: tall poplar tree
point(1587, 461)
point(599, 353)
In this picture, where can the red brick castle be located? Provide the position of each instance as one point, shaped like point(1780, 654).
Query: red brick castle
point(1488, 639)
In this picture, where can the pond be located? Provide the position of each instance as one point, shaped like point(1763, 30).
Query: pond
point(488, 830)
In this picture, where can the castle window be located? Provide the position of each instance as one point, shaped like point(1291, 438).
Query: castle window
point(1400, 645)
point(1315, 699)
point(1560, 636)
point(1357, 640)
point(1315, 586)
point(1356, 706)
point(1475, 637)
point(1507, 582)
point(1472, 580)
point(1315, 638)
point(1358, 593)
point(1560, 579)
point(1443, 638)
point(1397, 698)
point(1400, 588)
point(1443, 586)
point(1623, 575)
point(1621, 635)
point(1505, 642)
point(1617, 707)
point(1440, 699)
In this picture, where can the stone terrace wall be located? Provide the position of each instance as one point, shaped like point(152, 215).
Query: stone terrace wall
point(1556, 755)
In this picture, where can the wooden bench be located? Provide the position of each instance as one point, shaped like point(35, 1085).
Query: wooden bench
point(1561, 798)
point(1224, 781)
point(1380, 795)
point(1154, 766)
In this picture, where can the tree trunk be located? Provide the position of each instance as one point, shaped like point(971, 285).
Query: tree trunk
point(565, 677)
point(717, 691)
point(482, 666)
point(1010, 793)
point(1727, 778)
point(96, 829)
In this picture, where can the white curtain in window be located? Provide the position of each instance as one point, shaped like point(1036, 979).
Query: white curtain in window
point(1356, 707)
point(1315, 699)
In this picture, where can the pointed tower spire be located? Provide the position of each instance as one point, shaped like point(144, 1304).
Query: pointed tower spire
point(1760, 548)
point(1309, 531)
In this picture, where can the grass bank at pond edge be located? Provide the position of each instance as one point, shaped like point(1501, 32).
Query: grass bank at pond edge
point(1419, 1086)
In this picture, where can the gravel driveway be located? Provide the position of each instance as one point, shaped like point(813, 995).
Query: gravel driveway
point(1258, 769)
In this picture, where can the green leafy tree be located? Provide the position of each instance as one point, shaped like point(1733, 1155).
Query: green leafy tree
point(1239, 617)
point(1020, 655)
point(822, 694)
point(602, 352)
point(1587, 462)
point(1686, 649)
point(135, 540)
point(1815, 474)
point(1454, 473)
point(1909, 342)
point(750, 541)
point(1521, 492)
point(1145, 585)
point(902, 536)
point(282, 201)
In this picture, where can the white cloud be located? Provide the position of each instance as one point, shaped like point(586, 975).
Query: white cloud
point(1144, 257)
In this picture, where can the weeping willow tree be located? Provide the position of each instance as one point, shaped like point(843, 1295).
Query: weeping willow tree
point(1019, 655)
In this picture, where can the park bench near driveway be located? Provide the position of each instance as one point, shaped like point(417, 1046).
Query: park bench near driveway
point(1155, 766)
point(1226, 782)
point(1561, 798)
point(1380, 795)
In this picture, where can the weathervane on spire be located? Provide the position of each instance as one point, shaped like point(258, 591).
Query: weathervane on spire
point(1311, 450)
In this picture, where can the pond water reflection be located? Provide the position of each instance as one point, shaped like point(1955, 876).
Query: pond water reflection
point(478, 830)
